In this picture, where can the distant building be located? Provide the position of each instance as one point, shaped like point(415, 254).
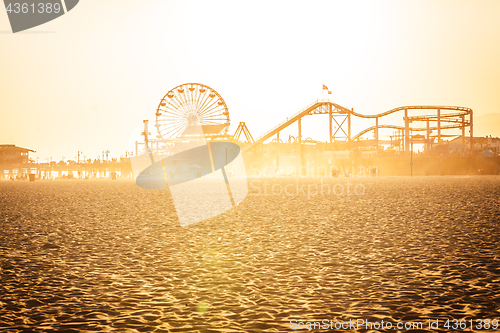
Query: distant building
point(11, 154)
point(480, 143)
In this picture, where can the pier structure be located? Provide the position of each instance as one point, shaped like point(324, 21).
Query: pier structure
point(285, 145)
point(67, 170)
point(194, 104)
point(194, 111)
point(423, 125)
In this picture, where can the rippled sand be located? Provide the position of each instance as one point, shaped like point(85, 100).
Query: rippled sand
point(110, 256)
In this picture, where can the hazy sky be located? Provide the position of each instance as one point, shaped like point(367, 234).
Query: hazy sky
point(86, 80)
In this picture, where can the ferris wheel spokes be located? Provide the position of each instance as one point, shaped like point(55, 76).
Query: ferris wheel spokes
point(187, 105)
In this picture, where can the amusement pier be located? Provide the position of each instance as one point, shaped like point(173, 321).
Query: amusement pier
point(443, 135)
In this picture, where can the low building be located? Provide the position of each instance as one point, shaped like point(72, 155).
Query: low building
point(11, 154)
point(480, 143)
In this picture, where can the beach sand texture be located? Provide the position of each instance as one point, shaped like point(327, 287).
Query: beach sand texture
point(104, 255)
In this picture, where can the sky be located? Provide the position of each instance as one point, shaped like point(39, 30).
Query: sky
point(86, 81)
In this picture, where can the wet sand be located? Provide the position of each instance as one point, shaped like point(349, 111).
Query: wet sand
point(109, 256)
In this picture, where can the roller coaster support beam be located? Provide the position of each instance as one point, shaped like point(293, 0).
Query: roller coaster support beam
point(428, 144)
point(349, 126)
point(330, 121)
point(463, 130)
point(376, 132)
point(471, 134)
point(439, 125)
point(407, 131)
point(243, 129)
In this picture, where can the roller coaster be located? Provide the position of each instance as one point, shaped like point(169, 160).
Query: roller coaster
point(444, 117)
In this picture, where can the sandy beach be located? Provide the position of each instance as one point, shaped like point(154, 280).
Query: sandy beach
point(103, 255)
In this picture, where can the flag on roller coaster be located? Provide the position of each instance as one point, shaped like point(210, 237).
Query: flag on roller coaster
point(326, 88)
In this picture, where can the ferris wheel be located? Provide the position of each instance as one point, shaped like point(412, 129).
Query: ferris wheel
point(189, 105)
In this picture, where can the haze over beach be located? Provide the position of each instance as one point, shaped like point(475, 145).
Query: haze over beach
point(227, 166)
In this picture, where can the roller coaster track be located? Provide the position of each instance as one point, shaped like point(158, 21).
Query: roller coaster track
point(402, 128)
point(463, 110)
point(323, 107)
point(306, 111)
